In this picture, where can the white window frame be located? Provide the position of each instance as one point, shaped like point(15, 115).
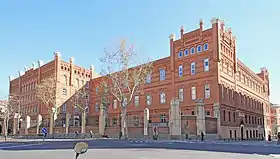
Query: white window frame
point(207, 91)
point(64, 91)
point(136, 121)
point(193, 68)
point(206, 67)
point(186, 52)
point(162, 97)
point(192, 50)
point(162, 74)
point(96, 107)
point(76, 109)
point(199, 48)
point(149, 78)
point(181, 94)
point(163, 118)
point(180, 71)
point(180, 54)
point(87, 84)
point(193, 92)
point(205, 46)
point(149, 99)
point(64, 107)
point(136, 101)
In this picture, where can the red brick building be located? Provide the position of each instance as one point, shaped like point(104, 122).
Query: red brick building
point(202, 65)
point(70, 77)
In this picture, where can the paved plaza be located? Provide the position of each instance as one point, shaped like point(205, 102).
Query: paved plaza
point(138, 149)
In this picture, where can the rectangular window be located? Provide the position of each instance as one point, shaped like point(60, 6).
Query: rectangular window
point(115, 104)
point(64, 107)
point(136, 120)
point(149, 78)
point(206, 65)
point(149, 99)
point(87, 84)
point(162, 118)
point(207, 91)
point(180, 70)
point(193, 91)
point(64, 91)
point(181, 94)
point(76, 109)
point(136, 101)
point(162, 74)
point(96, 107)
point(114, 121)
point(162, 98)
point(193, 68)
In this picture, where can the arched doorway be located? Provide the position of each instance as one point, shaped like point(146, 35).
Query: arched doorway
point(242, 129)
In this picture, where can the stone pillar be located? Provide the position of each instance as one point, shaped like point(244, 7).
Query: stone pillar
point(217, 115)
point(175, 119)
point(67, 123)
point(101, 121)
point(146, 121)
point(15, 124)
point(27, 124)
point(200, 118)
point(39, 123)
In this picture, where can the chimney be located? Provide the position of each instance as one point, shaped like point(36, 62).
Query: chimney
point(223, 26)
point(172, 37)
point(71, 59)
point(182, 30)
point(40, 63)
point(201, 24)
point(57, 54)
point(92, 73)
point(229, 31)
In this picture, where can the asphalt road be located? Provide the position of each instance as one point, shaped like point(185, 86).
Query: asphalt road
point(136, 149)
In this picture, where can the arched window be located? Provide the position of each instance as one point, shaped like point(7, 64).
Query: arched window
point(205, 47)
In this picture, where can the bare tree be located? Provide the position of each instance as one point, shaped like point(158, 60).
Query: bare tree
point(80, 102)
point(105, 101)
point(124, 82)
point(8, 109)
point(46, 92)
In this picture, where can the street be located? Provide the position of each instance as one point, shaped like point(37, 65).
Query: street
point(140, 149)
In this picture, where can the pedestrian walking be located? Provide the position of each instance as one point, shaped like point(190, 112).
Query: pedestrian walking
point(202, 136)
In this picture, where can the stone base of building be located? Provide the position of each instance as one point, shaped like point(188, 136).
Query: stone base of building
point(235, 132)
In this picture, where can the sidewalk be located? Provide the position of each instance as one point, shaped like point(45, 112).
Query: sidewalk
point(244, 143)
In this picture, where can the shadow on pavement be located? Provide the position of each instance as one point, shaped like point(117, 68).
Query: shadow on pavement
point(125, 144)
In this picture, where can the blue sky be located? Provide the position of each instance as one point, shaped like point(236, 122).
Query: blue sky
point(31, 30)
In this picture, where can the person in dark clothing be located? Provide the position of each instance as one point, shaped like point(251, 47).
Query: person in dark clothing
point(278, 138)
point(202, 136)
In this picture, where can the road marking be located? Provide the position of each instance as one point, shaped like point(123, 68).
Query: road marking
point(14, 146)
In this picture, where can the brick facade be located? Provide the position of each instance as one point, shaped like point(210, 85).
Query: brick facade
point(202, 64)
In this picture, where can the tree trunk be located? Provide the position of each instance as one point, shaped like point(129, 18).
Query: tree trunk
point(67, 123)
point(6, 122)
point(83, 128)
point(124, 122)
point(51, 122)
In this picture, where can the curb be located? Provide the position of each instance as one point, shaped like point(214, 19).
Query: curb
point(274, 155)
